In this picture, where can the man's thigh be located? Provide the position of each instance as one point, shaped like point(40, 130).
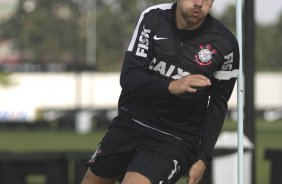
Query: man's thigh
point(135, 178)
point(91, 178)
point(114, 153)
point(155, 167)
point(111, 166)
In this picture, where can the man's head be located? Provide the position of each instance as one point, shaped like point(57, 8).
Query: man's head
point(190, 14)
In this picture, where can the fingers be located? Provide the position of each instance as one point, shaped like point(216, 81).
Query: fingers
point(189, 84)
point(197, 81)
point(191, 89)
point(193, 180)
point(196, 172)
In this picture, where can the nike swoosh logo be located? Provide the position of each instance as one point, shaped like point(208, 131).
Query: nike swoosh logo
point(159, 38)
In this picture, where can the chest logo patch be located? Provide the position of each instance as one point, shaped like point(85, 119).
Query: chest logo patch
point(204, 56)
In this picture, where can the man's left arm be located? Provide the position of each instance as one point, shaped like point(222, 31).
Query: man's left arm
point(222, 87)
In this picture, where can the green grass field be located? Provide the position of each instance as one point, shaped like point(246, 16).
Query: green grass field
point(268, 135)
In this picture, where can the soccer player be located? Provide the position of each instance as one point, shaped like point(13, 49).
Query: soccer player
point(178, 75)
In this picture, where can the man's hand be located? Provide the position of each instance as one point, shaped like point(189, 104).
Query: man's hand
point(189, 84)
point(196, 172)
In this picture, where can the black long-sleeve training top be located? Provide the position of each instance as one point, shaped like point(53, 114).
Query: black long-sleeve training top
point(160, 53)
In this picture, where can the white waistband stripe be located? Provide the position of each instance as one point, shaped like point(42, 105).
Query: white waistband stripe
point(147, 126)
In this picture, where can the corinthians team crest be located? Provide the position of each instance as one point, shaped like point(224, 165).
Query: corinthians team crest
point(204, 56)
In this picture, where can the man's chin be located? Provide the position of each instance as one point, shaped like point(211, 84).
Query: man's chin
point(193, 21)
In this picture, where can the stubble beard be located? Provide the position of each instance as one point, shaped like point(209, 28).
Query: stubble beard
point(192, 20)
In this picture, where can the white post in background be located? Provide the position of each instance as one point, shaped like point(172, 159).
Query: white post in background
point(91, 39)
point(240, 93)
point(91, 32)
point(83, 119)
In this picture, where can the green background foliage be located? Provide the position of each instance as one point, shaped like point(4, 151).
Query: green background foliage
point(55, 32)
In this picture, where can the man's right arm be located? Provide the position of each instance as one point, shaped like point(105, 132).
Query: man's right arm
point(135, 75)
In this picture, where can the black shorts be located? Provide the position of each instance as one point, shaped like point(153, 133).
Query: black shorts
point(124, 149)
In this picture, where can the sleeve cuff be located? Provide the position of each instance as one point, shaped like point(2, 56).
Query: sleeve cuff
point(206, 159)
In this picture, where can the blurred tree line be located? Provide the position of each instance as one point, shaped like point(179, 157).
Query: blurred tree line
point(54, 31)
